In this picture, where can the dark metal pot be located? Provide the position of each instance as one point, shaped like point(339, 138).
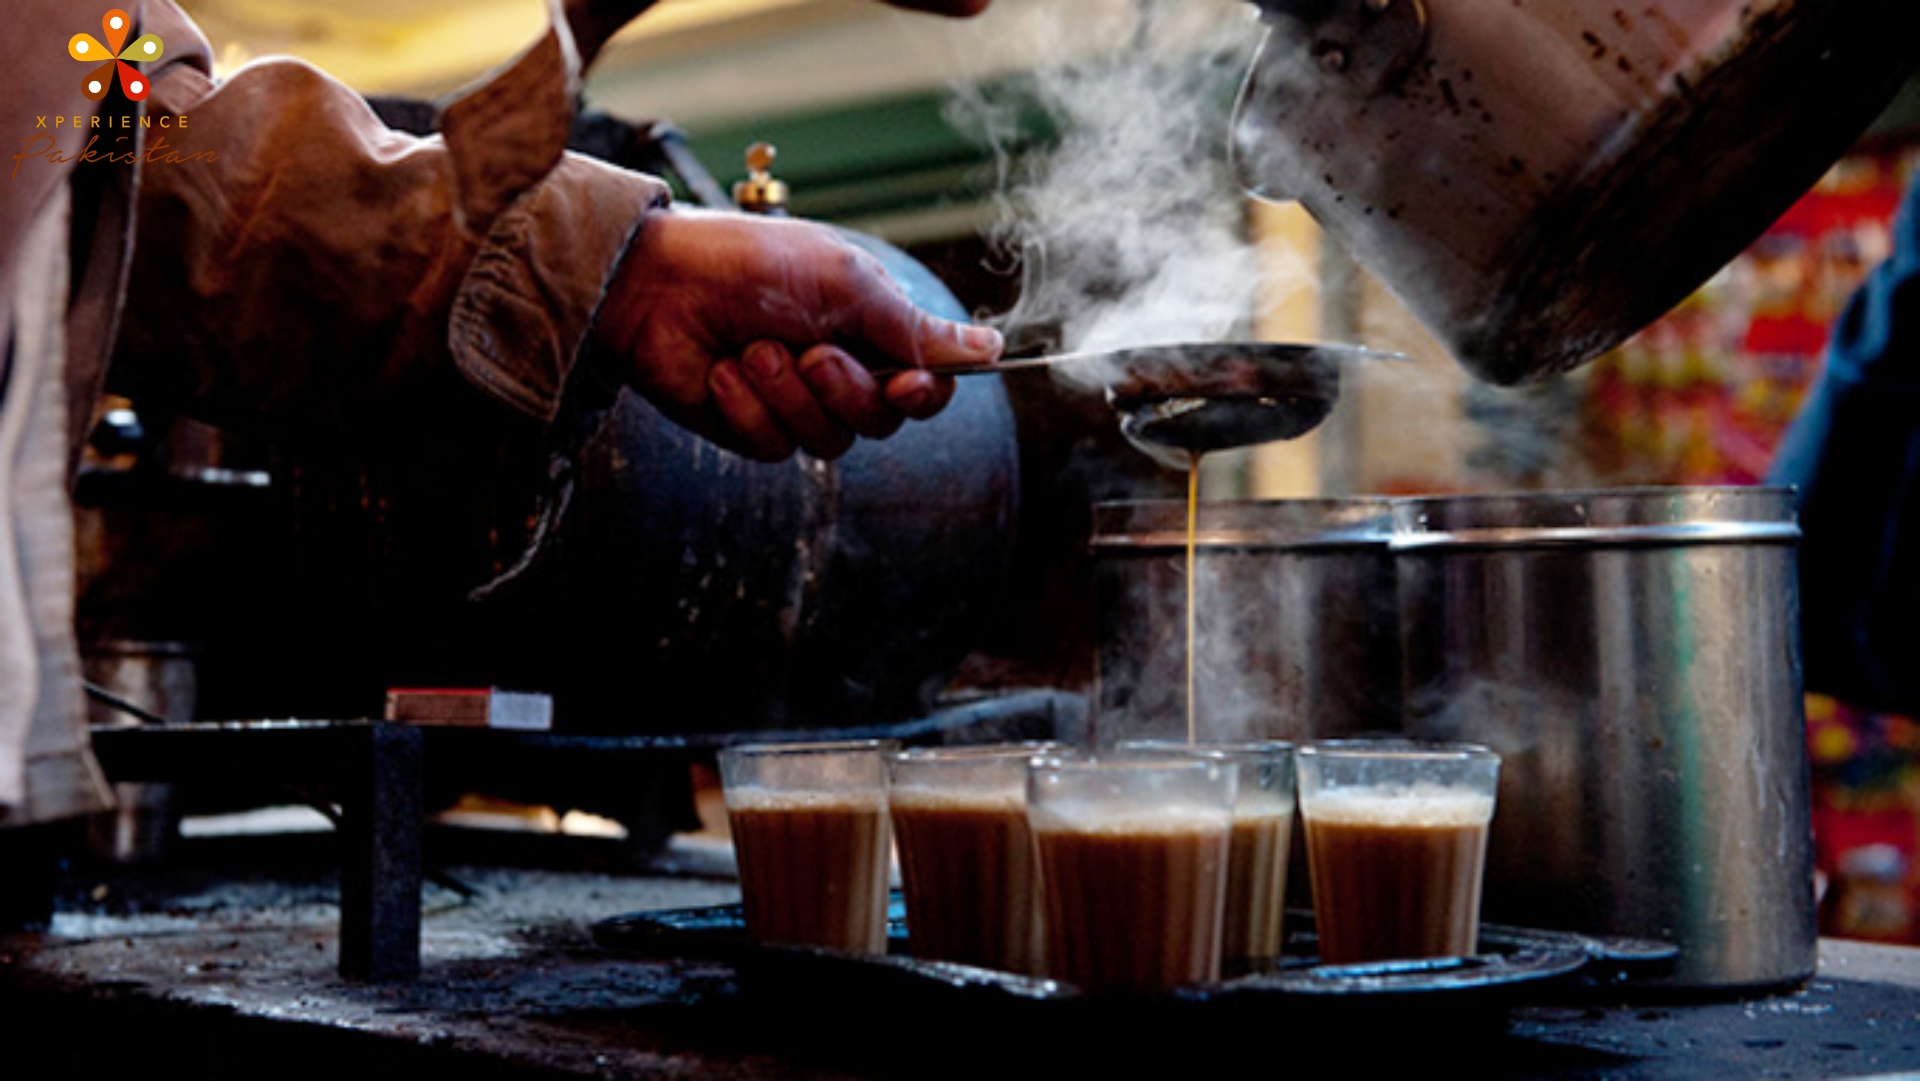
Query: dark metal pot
point(1633, 656)
point(695, 590)
point(715, 592)
point(687, 589)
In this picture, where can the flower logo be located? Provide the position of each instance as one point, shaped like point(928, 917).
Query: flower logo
point(87, 49)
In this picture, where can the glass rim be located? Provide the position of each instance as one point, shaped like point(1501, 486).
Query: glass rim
point(1096, 762)
point(1219, 748)
point(975, 752)
point(807, 747)
point(1397, 749)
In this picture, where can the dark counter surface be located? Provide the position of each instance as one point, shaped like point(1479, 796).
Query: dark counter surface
point(213, 972)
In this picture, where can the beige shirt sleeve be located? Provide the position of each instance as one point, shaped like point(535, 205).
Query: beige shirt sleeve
point(314, 271)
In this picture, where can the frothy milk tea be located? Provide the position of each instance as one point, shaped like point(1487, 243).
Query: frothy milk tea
point(1258, 844)
point(1133, 867)
point(968, 877)
point(812, 840)
point(813, 868)
point(1397, 871)
point(1135, 905)
point(1256, 887)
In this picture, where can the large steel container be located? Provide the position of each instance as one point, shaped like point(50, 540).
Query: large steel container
point(1294, 619)
point(1633, 655)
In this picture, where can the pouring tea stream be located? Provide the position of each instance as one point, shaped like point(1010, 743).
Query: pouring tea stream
point(1179, 402)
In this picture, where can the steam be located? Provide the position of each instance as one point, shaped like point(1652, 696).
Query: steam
point(1128, 232)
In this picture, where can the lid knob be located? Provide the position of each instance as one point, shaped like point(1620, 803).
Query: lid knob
point(760, 193)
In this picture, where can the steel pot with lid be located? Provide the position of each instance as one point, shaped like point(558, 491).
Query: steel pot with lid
point(1539, 179)
point(1295, 626)
point(1633, 655)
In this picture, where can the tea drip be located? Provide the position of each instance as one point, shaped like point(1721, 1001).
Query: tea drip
point(1179, 403)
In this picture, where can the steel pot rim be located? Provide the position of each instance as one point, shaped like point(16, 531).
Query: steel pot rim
point(1644, 516)
point(1244, 525)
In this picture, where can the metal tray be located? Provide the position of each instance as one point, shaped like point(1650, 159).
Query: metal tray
point(1515, 966)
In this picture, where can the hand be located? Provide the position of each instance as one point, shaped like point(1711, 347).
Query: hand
point(765, 334)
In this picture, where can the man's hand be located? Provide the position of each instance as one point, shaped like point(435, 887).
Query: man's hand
point(767, 334)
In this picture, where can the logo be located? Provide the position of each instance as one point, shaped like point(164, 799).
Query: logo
point(128, 147)
point(110, 58)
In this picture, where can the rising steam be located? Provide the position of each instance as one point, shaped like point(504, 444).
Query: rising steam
point(1127, 231)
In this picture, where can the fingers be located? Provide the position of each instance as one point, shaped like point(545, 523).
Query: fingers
point(897, 330)
point(765, 335)
point(881, 325)
point(773, 404)
point(754, 432)
point(790, 400)
point(849, 392)
point(919, 394)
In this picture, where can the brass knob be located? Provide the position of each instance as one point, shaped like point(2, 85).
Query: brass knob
point(760, 193)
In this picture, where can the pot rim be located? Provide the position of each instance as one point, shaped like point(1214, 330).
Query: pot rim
point(1598, 517)
point(1244, 524)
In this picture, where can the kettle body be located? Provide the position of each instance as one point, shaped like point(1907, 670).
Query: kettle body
point(1539, 180)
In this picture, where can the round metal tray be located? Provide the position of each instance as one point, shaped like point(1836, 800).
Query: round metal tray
point(1515, 966)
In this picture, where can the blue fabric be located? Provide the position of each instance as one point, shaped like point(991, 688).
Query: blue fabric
point(1853, 453)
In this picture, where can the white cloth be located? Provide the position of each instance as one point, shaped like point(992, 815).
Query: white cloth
point(46, 770)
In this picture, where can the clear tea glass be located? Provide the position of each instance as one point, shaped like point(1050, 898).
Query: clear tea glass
point(1133, 852)
point(967, 870)
point(1396, 841)
point(1258, 853)
point(812, 839)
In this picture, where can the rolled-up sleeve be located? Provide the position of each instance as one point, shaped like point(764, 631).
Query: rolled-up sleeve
point(305, 268)
point(520, 315)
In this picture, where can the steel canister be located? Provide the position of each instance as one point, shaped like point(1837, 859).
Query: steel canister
point(1633, 655)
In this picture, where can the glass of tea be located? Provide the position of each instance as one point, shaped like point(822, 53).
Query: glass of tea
point(1133, 852)
point(812, 840)
point(967, 870)
point(1396, 835)
point(1261, 840)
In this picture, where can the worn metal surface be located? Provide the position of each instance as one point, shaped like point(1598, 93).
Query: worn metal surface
point(378, 773)
point(221, 969)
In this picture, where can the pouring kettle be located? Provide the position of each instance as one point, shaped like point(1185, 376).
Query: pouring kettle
point(1539, 179)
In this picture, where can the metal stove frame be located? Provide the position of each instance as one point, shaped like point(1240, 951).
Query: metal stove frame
point(376, 770)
